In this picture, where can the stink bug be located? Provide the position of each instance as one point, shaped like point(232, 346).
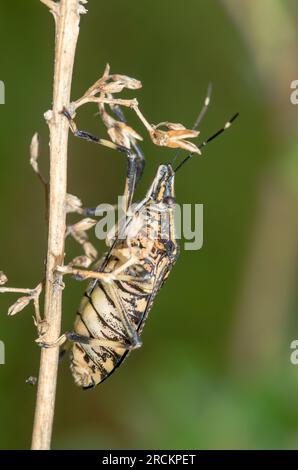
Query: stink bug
point(117, 302)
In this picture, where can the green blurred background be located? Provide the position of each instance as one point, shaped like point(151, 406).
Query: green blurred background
point(214, 371)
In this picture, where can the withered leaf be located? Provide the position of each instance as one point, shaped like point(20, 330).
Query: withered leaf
point(90, 250)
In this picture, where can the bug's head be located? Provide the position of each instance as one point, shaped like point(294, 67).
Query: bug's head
point(162, 188)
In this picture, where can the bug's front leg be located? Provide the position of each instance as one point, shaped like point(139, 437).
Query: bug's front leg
point(135, 159)
point(92, 138)
point(132, 176)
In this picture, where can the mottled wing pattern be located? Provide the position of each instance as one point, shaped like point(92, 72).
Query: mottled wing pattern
point(109, 311)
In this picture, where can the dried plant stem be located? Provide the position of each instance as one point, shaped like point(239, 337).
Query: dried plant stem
point(142, 118)
point(15, 290)
point(67, 18)
point(98, 99)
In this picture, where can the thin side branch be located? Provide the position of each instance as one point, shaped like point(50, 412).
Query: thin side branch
point(16, 290)
point(97, 99)
point(53, 6)
point(22, 302)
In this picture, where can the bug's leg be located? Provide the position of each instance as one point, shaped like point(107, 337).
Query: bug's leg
point(133, 174)
point(135, 159)
point(93, 211)
point(64, 349)
point(84, 274)
point(112, 290)
point(140, 159)
point(135, 168)
point(94, 342)
point(126, 257)
point(57, 343)
point(93, 138)
point(134, 339)
point(130, 182)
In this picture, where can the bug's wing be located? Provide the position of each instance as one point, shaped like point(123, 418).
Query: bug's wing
point(103, 316)
point(162, 272)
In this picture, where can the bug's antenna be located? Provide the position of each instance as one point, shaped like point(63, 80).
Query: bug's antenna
point(212, 137)
point(204, 108)
point(199, 118)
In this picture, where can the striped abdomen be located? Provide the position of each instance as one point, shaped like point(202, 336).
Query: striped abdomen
point(98, 317)
point(114, 312)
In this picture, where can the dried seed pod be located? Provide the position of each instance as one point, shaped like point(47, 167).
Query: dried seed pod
point(90, 251)
point(83, 225)
point(73, 204)
point(175, 139)
point(3, 278)
point(122, 134)
point(81, 261)
point(19, 305)
point(112, 87)
point(175, 126)
point(34, 152)
point(129, 82)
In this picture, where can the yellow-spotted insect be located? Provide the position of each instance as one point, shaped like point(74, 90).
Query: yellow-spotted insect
point(116, 304)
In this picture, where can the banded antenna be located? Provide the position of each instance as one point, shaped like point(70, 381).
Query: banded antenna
point(212, 137)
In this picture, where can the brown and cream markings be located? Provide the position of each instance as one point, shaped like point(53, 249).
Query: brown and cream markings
point(113, 312)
